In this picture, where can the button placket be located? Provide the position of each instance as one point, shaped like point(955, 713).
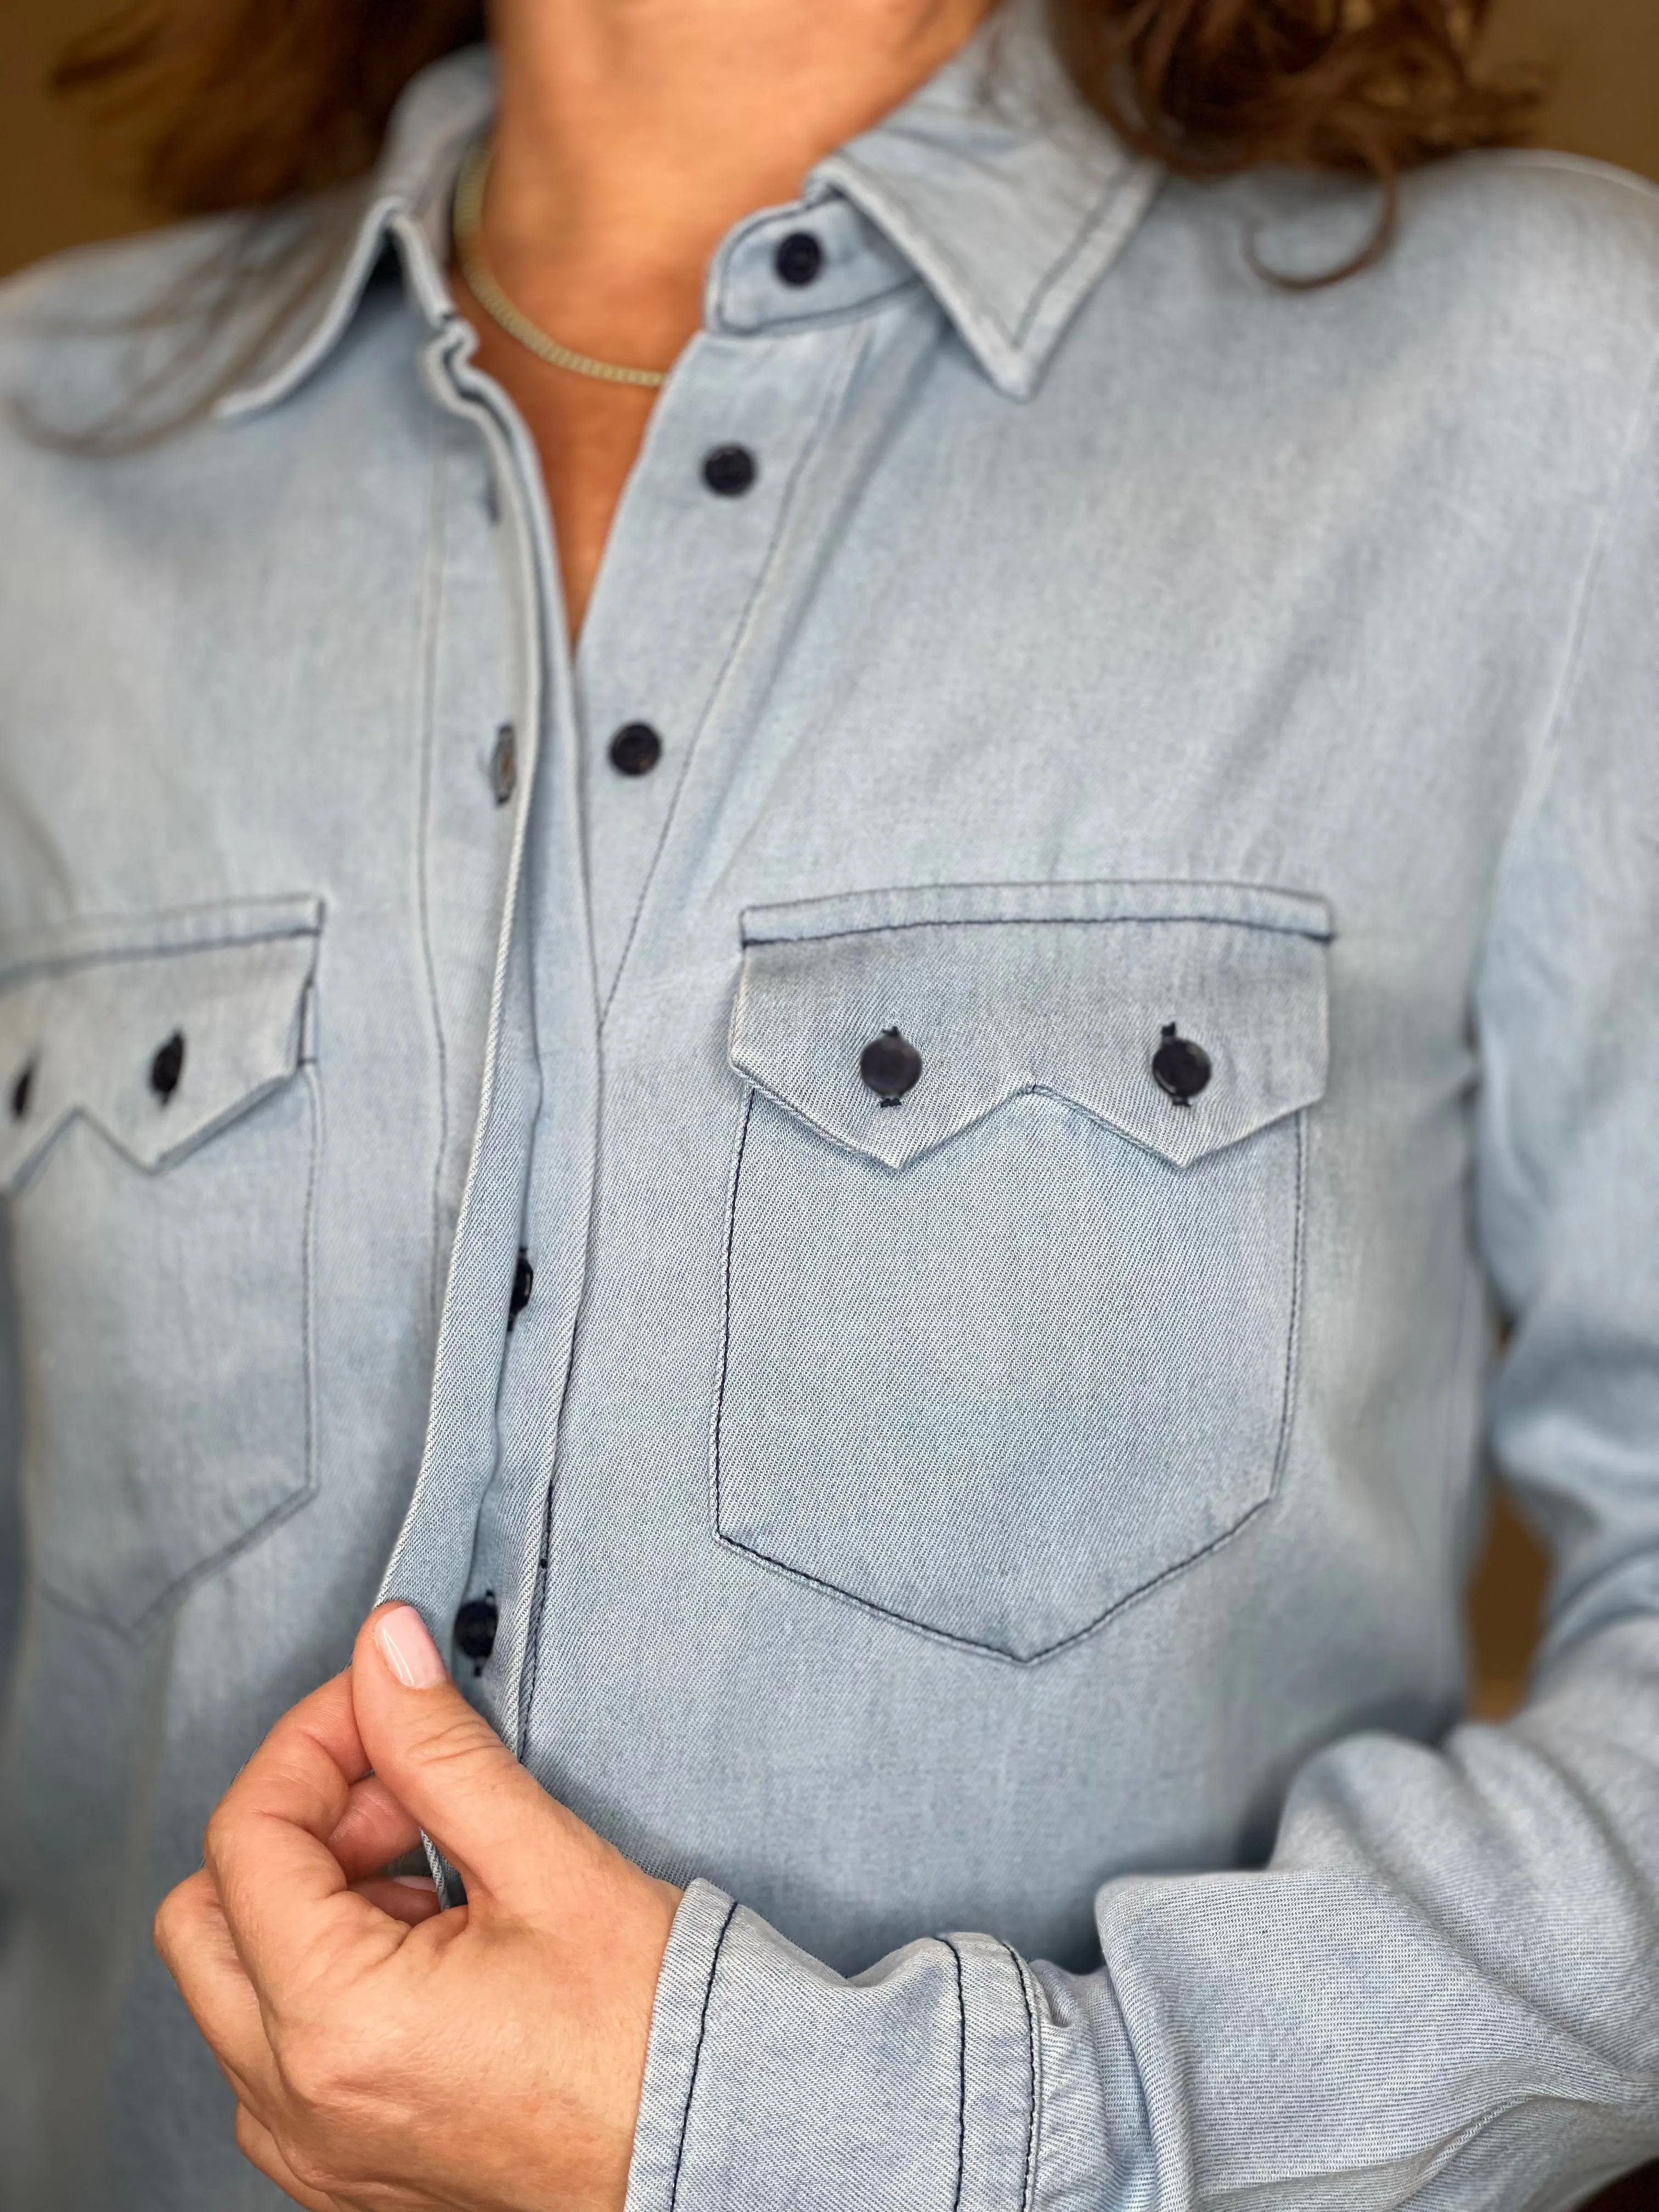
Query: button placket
point(495, 652)
point(476, 752)
point(686, 554)
point(680, 574)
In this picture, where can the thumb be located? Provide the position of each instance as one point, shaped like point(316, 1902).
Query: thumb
point(448, 1767)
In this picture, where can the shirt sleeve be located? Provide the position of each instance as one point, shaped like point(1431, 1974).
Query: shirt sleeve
point(1442, 1990)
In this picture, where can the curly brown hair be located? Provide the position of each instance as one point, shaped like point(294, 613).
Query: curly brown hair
point(237, 103)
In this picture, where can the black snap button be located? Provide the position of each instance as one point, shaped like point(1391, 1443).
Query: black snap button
point(798, 259)
point(1180, 1067)
point(22, 1092)
point(524, 1282)
point(729, 470)
point(504, 764)
point(890, 1065)
point(635, 749)
point(167, 1067)
point(475, 1627)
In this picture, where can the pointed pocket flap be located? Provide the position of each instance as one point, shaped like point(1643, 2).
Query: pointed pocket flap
point(159, 1030)
point(1184, 1015)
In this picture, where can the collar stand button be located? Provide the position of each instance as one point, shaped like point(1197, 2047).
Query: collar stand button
point(798, 259)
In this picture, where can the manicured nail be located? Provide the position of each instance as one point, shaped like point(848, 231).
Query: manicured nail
point(416, 1881)
point(407, 1648)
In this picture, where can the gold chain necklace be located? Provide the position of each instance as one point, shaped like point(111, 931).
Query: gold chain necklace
point(469, 252)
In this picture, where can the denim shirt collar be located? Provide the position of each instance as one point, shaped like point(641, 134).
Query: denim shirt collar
point(993, 183)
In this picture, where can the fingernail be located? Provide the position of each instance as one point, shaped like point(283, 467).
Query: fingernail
point(407, 1648)
point(415, 1882)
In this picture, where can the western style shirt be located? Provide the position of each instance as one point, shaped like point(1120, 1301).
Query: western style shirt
point(885, 1192)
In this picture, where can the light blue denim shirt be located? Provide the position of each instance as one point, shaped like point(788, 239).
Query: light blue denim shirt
point(1017, 1479)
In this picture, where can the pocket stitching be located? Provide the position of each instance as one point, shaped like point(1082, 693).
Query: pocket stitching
point(1157, 900)
point(1049, 921)
point(1128, 1136)
point(95, 939)
point(165, 1601)
point(1293, 1350)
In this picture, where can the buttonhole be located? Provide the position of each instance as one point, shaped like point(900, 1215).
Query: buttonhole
point(22, 1092)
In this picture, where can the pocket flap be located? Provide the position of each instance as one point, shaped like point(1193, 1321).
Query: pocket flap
point(1068, 989)
point(160, 1030)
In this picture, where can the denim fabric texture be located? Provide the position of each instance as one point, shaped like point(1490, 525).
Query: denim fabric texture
point(1001, 1548)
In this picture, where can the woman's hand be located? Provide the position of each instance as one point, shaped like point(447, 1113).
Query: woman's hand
point(386, 2055)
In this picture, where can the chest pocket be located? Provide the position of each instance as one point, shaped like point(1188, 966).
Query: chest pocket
point(158, 1145)
point(1010, 1322)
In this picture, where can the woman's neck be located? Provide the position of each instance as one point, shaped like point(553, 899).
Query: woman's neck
point(632, 134)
